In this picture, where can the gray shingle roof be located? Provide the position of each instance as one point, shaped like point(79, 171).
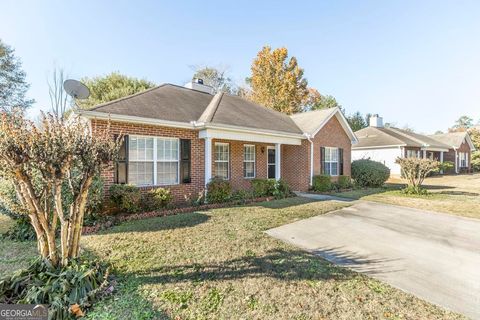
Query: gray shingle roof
point(175, 103)
point(453, 139)
point(165, 102)
point(381, 137)
point(310, 121)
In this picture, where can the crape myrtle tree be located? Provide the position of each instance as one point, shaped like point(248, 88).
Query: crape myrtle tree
point(52, 166)
point(415, 170)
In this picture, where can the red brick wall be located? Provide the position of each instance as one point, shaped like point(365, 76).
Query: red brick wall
point(332, 135)
point(296, 165)
point(197, 161)
point(295, 160)
point(236, 162)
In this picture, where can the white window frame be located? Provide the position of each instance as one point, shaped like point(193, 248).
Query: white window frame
point(330, 164)
point(215, 161)
point(463, 158)
point(156, 160)
point(250, 161)
point(412, 152)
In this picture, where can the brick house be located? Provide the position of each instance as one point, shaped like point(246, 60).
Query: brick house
point(387, 144)
point(180, 137)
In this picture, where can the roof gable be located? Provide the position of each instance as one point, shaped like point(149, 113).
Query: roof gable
point(311, 122)
point(454, 139)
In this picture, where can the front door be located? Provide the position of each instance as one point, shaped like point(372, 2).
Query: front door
point(271, 162)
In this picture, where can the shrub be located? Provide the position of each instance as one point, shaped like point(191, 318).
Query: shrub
point(22, 230)
point(263, 187)
point(218, 190)
point(126, 197)
point(241, 196)
point(369, 173)
point(77, 283)
point(476, 160)
point(195, 201)
point(282, 189)
point(322, 183)
point(446, 166)
point(415, 190)
point(157, 198)
point(344, 182)
point(415, 170)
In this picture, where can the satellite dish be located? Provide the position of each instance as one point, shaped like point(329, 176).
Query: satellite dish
point(76, 89)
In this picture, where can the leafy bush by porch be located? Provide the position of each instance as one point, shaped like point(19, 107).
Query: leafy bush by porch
point(322, 183)
point(263, 187)
point(369, 173)
point(126, 197)
point(218, 191)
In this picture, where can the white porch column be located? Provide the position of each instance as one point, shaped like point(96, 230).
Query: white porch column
point(441, 160)
point(456, 161)
point(277, 161)
point(208, 160)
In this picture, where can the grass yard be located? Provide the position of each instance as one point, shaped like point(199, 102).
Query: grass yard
point(221, 265)
point(458, 195)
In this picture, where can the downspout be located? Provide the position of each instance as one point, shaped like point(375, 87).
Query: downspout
point(456, 160)
point(311, 158)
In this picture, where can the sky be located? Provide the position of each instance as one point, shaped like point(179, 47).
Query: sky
point(416, 63)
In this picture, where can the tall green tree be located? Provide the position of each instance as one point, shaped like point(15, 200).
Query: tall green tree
point(217, 78)
point(13, 85)
point(357, 121)
point(110, 87)
point(463, 123)
point(277, 81)
point(317, 101)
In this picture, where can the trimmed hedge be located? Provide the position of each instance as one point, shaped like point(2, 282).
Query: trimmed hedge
point(369, 173)
point(322, 183)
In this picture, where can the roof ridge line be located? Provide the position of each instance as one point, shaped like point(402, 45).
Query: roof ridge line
point(209, 112)
point(127, 97)
point(408, 136)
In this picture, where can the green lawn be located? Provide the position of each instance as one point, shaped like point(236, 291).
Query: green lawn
point(458, 195)
point(221, 265)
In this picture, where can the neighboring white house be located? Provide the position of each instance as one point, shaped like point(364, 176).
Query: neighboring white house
point(385, 145)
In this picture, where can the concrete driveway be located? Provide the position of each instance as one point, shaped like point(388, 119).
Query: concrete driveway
point(432, 255)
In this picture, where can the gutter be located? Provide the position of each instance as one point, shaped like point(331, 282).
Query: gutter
point(186, 125)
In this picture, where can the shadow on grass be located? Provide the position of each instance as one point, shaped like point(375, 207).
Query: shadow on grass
point(278, 264)
point(183, 220)
point(126, 300)
point(284, 203)
point(459, 193)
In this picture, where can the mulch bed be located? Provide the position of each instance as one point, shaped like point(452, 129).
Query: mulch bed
point(162, 213)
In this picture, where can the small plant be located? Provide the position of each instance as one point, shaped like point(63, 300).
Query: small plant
point(369, 173)
point(241, 196)
point(415, 170)
point(344, 182)
point(446, 166)
point(157, 198)
point(411, 190)
point(322, 183)
point(218, 191)
point(195, 201)
point(77, 283)
point(126, 197)
point(263, 187)
point(282, 189)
